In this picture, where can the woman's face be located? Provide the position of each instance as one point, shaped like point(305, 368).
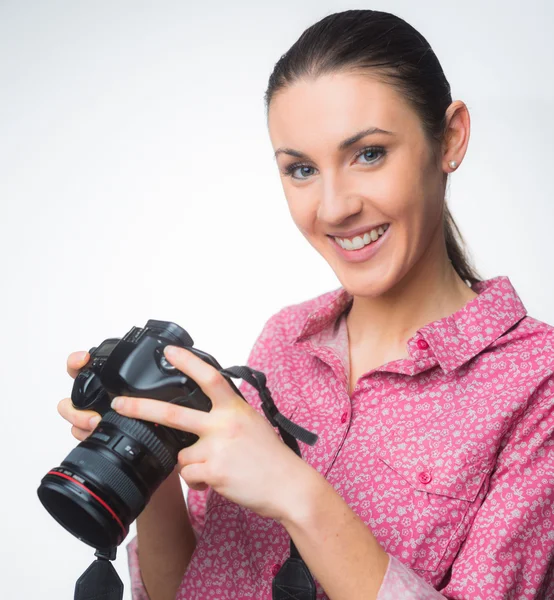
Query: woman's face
point(381, 188)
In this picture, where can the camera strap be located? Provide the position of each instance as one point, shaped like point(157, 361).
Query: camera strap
point(294, 580)
point(100, 581)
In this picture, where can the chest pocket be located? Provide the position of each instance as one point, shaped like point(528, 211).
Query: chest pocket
point(433, 487)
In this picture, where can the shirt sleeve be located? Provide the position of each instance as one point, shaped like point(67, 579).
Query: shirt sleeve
point(138, 590)
point(509, 550)
point(401, 582)
point(196, 504)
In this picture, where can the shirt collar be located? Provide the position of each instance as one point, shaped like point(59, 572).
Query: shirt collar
point(452, 340)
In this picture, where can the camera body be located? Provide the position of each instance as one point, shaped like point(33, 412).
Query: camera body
point(135, 365)
point(106, 481)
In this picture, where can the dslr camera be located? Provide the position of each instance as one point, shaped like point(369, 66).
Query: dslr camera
point(105, 482)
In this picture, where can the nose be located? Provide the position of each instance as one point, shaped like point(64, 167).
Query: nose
point(338, 202)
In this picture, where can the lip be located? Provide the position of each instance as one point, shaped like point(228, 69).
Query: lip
point(359, 231)
point(362, 254)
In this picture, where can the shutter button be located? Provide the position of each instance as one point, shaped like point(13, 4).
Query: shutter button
point(424, 477)
point(422, 344)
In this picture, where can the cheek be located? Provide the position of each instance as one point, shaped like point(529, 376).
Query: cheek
point(408, 189)
point(429, 210)
point(301, 213)
point(415, 212)
point(414, 201)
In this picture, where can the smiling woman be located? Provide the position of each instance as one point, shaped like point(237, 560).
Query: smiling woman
point(344, 189)
point(431, 391)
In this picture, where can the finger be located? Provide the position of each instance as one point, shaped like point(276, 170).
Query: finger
point(195, 453)
point(82, 419)
point(199, 487)
point(195, 476)
point(164, 413)
point(210, 380)
point(80, 434)
point(76, 361)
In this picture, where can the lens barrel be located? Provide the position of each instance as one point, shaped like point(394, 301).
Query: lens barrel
point(105, 482)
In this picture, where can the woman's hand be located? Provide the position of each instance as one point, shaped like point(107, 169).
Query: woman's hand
point(84, 421)
point(238, 452)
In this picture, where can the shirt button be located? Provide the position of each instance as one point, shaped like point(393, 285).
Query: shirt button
point(343, 417)
point(424, 476)
point(275, 569)
point(422, 344)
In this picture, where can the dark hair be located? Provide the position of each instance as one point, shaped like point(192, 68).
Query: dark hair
point(397, 54)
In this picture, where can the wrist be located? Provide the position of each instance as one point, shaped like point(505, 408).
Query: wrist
point(167, 497)
point(304, 486)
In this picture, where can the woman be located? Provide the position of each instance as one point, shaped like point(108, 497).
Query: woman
point(432, 392)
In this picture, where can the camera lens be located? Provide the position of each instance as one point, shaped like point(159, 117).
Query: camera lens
point(105, 482)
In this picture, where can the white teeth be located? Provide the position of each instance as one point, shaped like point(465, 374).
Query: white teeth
point(361, 241)
point(357, 243)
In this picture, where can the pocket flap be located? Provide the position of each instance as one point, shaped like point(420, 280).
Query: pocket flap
point(433, 464)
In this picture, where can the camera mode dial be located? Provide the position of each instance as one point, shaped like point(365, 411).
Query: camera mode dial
point(166, 366)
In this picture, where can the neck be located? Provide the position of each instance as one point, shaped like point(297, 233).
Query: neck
point(431, 290)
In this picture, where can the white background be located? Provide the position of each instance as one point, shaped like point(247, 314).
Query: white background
point(137, 182)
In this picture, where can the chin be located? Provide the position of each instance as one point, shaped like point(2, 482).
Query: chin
point(367, 286)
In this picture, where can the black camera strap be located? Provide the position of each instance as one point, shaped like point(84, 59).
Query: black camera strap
point(100, 581)
point(294, 580)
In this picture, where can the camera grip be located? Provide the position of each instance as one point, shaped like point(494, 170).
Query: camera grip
point(197, 400)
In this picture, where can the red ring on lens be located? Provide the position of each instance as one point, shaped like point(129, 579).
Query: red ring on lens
point(97, 498)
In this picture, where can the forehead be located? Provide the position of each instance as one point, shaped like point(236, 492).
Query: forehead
point(333, 106)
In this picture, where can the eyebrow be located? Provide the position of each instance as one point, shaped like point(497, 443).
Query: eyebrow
point(349, 141)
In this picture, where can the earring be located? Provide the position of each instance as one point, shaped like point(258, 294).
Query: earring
point(452, 164)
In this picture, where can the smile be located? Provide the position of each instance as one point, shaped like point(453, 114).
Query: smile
point(360, 241)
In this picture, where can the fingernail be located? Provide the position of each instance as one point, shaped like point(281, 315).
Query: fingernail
point(117, 402)
point(81, 355)
point(171, 350)
point(94, 422)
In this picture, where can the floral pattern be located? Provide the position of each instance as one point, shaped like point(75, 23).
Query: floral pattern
point(448, 456)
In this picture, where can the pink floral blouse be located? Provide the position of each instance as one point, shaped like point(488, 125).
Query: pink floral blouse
point(448, 456)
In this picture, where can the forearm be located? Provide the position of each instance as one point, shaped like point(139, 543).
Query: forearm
point(337, 546)
point(166, 540)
